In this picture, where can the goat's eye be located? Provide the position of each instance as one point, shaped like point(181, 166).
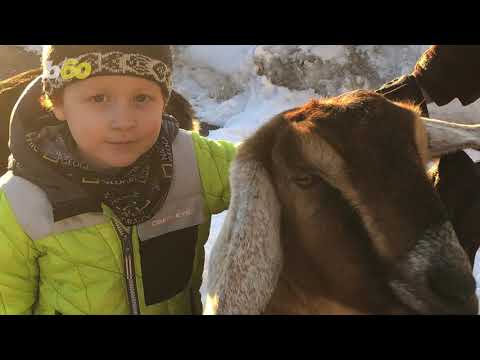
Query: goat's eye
point(305, 181)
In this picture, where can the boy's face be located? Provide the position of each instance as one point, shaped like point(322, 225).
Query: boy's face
point(113, 119)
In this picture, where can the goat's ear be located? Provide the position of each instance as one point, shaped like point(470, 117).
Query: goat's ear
point(246, 258)
point(446, 137)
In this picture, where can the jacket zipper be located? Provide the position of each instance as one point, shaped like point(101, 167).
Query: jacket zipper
point(125, 234)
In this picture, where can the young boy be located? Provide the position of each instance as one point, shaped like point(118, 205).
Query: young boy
point(106, 206)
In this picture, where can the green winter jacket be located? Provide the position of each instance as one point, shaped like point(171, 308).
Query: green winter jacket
point(77, 266)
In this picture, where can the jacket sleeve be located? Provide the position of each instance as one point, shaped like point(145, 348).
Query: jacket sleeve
point(214, 159)
point(18, 265)
point(447, 72)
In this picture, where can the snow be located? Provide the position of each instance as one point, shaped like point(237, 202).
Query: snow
point(33, 48)
point(455, 111)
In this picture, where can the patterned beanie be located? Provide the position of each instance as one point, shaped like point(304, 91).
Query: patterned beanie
point(65, 64)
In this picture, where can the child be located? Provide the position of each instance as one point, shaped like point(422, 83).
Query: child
point(12, 88)
point(106, 205)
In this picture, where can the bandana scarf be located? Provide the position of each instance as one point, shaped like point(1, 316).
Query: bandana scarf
point(134, 193)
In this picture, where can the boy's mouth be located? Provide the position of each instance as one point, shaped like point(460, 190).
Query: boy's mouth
point(123, 142)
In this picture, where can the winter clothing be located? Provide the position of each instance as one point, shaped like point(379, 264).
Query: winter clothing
point(90, 263)
point(47, 153)
point(64, 64)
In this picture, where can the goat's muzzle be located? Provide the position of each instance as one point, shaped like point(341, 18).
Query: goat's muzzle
point(436, 276)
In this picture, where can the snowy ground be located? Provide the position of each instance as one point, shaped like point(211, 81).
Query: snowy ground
point(222, 83)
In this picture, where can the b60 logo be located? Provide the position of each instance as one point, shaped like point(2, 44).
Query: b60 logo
point(69, 70)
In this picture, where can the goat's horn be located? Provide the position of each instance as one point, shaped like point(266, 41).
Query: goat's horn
point(246, 259)
point(446, 137)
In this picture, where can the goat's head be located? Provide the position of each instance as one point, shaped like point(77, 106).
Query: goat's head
point(353, 198)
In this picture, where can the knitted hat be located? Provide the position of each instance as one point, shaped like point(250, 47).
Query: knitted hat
point(65, 64)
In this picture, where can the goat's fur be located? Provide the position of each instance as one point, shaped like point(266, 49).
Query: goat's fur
point(358, 146)
point(258, 263)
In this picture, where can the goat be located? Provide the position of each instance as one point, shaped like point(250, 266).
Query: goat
point(12, 88)
point(456, 178)
point(332, 212)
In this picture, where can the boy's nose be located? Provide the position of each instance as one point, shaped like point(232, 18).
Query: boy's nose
point(122, 118)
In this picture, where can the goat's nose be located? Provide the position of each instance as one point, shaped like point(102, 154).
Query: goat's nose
point(455, 288)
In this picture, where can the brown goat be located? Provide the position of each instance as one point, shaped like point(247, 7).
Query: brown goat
point(456, 178)
point(12, 88)
point(332, 212)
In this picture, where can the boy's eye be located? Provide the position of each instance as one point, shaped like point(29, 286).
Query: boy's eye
point(142, 98)
point(100, 98)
